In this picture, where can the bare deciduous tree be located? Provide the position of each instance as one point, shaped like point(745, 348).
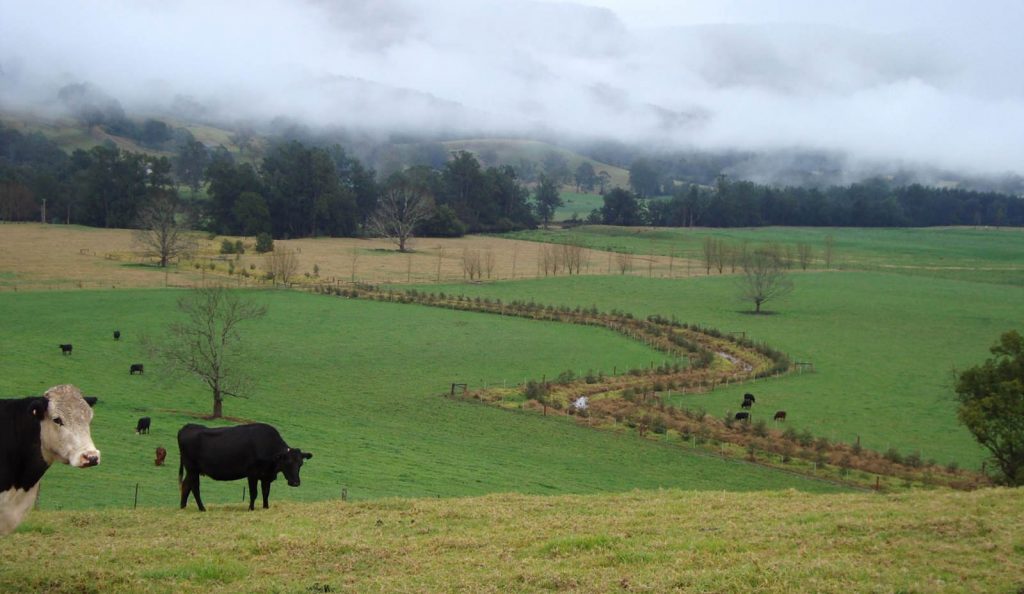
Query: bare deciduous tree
point(282, 264)
point(471, 266)
point(625, 262)
point(160, 234)
point(402, 206)
point(206, 344)
point(764, 277)
point(709, 249)
point(805, 253)
point(830, 244)
point(572, 257)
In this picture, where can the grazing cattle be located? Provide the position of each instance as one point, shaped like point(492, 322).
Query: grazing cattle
point(742, 416)
point(161, 454)
point(117, 335)
point(750, 397)
point(747, 404)
point(142, 426)
point(255, 452)
point(780, 415)
point(35, 432)
point(135, 368)
point(65, 349)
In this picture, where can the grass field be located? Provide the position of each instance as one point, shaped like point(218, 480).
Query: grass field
point(983, 255)
point(574, 203)
point(651, 541)
point(884, 346)
point(358, 384)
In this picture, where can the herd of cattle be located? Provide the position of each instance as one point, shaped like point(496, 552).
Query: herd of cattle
point(37, 431)
point(748, 403)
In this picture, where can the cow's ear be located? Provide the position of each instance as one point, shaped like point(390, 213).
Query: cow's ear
point(307, 455)
point(91, 400)
point(38, 407)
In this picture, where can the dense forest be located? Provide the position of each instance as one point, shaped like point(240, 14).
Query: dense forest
point(302, 190)
point(872, 203)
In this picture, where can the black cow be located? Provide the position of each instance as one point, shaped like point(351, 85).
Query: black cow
point(780, 415)
point(142, 426)
point(117, 335)
point(255, 452)
point(742, 416)
point(34, 433)
point(747, 404)
point(750, 397)
point(135, 367)
point(65, 349)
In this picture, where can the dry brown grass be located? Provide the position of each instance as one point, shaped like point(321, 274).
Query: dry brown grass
point(35, 256)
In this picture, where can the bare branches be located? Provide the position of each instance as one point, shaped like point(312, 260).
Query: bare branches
point(282, 264)
point(764, 277)
point(402, 206)
point(159, 234)
point(206, 344)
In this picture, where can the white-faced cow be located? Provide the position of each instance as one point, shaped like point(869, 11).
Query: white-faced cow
point(35, 432)
point(255, 452)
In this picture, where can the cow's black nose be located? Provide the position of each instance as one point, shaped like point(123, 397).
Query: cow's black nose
point(293, 483)
point(92, 460)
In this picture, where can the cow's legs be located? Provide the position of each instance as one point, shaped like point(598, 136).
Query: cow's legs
point(195, 492)
point(252, 493)
point(266, 494)
point(186, 487)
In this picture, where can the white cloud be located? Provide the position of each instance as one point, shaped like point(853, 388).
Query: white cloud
point(933, 82)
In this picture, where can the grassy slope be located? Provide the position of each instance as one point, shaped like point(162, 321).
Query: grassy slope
point(654, 541)
point(356, 383)
point(883, 345)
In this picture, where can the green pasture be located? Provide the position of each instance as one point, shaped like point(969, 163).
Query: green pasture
point(978, 254)
point(357, 383)
point(884, 346)
point(581, 205)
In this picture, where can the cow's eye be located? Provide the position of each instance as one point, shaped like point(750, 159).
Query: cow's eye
point(59, 421)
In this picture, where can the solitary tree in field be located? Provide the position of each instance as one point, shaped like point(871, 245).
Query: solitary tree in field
point(206, 343)
point(764, 277)
point(402, 205)
point(991, 397)
point(159, 233)
point(282, 264)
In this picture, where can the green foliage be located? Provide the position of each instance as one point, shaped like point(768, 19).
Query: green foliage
point(991, 397)
point(264, 243)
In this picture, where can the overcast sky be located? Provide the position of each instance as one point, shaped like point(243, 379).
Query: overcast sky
point(937, 82)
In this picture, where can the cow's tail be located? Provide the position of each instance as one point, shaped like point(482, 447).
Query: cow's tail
point(181, 472)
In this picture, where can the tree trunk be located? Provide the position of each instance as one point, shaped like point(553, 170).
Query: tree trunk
point(218, 405)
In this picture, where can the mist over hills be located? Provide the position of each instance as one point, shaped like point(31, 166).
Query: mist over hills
point(804, 99)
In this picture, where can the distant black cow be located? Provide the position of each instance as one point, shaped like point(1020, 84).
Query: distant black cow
point(136, 368)
point(117, 335)
point(161, 454)
point(780, 415)
point(255, 452)
point(747, 404)
point(65, 349)
point(142, 426)
point(34, 433)
point(742, 416)
point(750, 397)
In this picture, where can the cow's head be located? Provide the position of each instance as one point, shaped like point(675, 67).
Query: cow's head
point(64, 417)
point(289, 462)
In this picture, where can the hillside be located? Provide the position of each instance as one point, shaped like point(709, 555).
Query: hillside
point(651, 541)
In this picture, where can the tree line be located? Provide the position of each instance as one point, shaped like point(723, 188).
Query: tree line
point(294, 191)
point(872, 203)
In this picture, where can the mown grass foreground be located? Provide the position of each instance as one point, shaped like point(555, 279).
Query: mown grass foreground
point(651, 541)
